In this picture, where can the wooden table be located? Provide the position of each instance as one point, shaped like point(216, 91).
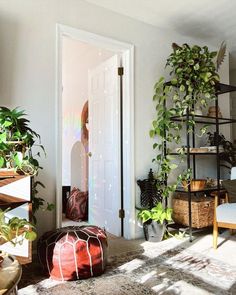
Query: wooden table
point(10, 274)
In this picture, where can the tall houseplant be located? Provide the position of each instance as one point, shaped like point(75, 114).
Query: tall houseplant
point(192, 83)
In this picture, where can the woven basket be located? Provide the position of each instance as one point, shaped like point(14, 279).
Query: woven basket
point(202, 210)
point(195, 184)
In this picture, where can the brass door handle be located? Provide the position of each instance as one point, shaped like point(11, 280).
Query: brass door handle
point(89, 154)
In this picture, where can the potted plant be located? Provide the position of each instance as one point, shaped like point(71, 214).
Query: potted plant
point(15, 229)
point(18, 143)
point(154, 221)
point(192, 83)
point(227, 149)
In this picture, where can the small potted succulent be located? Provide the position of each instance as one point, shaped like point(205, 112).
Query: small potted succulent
point(154, 221)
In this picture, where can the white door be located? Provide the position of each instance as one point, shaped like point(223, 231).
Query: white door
point(104, 146)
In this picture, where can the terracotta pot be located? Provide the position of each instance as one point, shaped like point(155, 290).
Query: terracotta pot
point(195, 184)
point(212, 112)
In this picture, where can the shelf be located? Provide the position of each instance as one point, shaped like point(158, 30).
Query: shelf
point(224, 88)
point(208, 189)
point(221, 88)
point(196, 154)
point(203, 119)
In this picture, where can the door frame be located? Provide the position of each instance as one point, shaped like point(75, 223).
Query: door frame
point(127, 52)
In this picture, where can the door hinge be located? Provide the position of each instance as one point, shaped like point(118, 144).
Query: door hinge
point(120, 71)
point(121, 213)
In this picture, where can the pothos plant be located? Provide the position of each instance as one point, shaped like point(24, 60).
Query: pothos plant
point(17, 145)
point(158, 213)
point(15, 230)
point(192, 82)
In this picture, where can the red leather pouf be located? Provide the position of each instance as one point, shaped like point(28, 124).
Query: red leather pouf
point(73, 252)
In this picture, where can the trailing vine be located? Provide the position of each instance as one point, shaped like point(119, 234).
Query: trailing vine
point(193, 79)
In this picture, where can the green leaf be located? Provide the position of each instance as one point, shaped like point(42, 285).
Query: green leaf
point(173, 166)
point(151, 133)
point(50, 207)
point(3, 137)
point(2, 161)
point(18, 157)
point(154, 146)
point(182, 88)
point(7, 123)
point(30, 235)
point(174, 81)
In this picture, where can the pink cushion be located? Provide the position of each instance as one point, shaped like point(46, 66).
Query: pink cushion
point(77, 205)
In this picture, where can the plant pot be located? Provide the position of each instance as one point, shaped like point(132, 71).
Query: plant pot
point(153, 231)
point(195, 184)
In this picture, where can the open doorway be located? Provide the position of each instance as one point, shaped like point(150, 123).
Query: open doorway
point(94, 169)
point(84, 78)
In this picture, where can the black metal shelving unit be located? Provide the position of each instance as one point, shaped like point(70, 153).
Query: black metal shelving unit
point(191, 156)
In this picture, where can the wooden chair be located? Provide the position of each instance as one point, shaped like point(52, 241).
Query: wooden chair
point(224, 215)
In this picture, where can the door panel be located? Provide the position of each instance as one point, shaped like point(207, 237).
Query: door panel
point(104, 145)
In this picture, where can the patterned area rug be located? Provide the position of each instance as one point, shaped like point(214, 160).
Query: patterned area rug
point(168, 268)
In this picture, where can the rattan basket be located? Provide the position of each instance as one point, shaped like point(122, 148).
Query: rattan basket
point(195, 184)
point(202, 210)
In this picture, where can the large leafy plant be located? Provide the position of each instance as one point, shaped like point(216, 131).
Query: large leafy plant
point(16, 142)
point(15, 229)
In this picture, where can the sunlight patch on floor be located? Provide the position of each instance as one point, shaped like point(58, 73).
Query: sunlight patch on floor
point(147, 277)
point(131, 265)
point(180, 287)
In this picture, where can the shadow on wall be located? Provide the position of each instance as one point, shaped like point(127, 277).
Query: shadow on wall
point(78, 166)
point(8, 50)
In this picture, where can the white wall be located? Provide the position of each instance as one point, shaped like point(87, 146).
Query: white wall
point(27, 69)
point(233, 102)
point(77, 59)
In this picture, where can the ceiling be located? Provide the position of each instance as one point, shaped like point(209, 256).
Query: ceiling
point(210, 20)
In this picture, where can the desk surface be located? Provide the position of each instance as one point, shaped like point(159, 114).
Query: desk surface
point(10, 273)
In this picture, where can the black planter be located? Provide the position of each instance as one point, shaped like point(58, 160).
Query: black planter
point(153, 231)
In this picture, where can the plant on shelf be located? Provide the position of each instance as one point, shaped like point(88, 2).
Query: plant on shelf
point(193, 79)
point(228, 153)
point(15, 230)
point(18, 143)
